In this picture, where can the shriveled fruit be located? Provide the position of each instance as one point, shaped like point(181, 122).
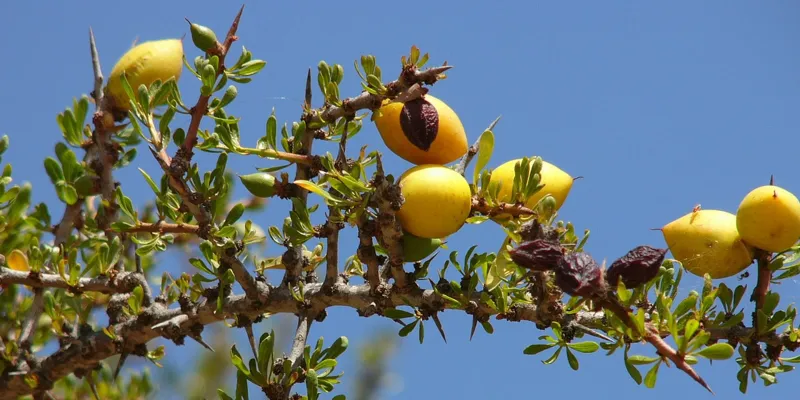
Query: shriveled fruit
point(557, 183)
point(416, 248)
point(437, 201)
point(422, 131)
point(144, 64)
point(707, 241)
point(769, 218)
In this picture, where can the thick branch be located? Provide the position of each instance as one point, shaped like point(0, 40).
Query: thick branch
point(368, 101)
point(249, 284)
point(366, 253)
point(90, 350)
point(100, 284)
point(389, 199)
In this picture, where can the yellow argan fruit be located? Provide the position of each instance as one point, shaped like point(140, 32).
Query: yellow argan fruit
point(706, 241)
point(557, 183)
point(769, 218)
point(144, 64)
point(422, 131)
point(437, 201)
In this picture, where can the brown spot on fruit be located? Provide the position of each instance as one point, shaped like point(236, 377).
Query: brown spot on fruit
point(420, 123)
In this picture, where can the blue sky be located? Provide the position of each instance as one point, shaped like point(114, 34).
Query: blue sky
point(659, 107)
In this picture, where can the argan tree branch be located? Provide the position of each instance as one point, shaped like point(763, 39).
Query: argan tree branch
point(201, 107)
point(89, 351)
point(480, 205)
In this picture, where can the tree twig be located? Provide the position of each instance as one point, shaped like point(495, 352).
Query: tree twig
point(164, 227)
point(480, 205)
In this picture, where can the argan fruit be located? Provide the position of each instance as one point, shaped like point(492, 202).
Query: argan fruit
point(557, 184)
point(144, 64)
point(202, 37)
point(422, 131)
point(260, 184)
point(416, 248)
point(769, 218)
point(707, 241)
point(437, 201)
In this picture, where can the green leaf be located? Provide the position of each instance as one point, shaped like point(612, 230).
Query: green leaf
point(234, 215)
point(584, 347)
point(573, 361)
point(53, 170)
point(652, 375)
point(408, 328)
point(397, 314)
point(717, 351)
point(338, 347)
point(66, 193)
point(251, 67)
point(485, 149)
point(311, 384)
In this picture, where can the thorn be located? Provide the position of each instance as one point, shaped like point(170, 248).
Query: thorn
point(235, 24)
point(591, 332)
point(772, 180)
point(251, 338)
point(474, 325)
point(307, 104)
point(92, 385)
point(122, 358)
point(494, 123)
point(439, 325)
point(199, 339)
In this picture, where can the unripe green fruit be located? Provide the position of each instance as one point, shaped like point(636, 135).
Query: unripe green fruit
point(84, 186)
point(260, 184)
point(202, 37)
point(416, 248)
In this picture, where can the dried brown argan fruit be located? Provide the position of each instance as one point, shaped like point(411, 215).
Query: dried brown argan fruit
point(537, 255)
point(578, 274)
point(637, 267)
point(421, 131)
point(420, 122)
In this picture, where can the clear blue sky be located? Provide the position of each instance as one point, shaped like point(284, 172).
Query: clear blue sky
point(659, 107)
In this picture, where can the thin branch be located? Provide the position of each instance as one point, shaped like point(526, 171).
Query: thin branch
point(300, 339)
point(201, 107)
point(479, 205)
point(764, 279)
point(465, 160)
point(164, 227)
point(249, 284)
point(369, 101)
point(295, 253)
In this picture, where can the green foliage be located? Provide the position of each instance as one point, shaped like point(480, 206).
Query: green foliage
point(109, 240)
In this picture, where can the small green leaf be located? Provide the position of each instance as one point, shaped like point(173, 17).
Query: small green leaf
point(652, 375)
point(485, 149)
point(234, 215)
point(584, 347)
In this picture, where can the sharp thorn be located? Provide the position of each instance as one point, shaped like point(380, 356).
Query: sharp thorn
point(307, 105)
point(92, 385)
point(251, 338)
point(199, 339)
point(439, 326)
point(474, 325)
point(122, 358)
